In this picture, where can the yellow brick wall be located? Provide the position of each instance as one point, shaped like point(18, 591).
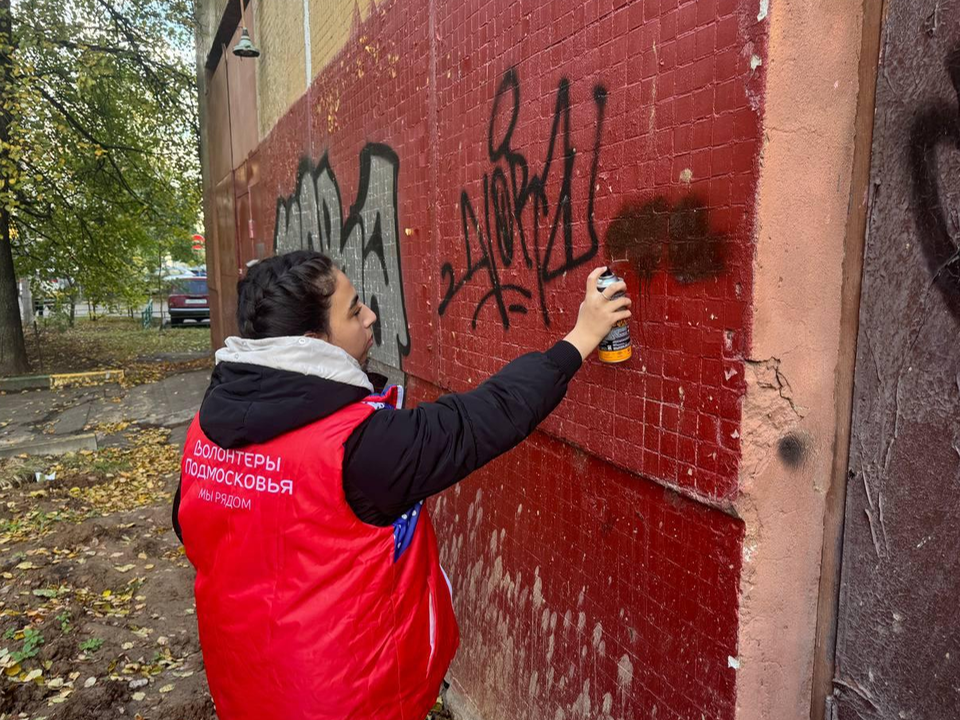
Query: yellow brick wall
point(331, 22)
point(279, 26)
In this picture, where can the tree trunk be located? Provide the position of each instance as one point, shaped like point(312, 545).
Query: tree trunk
point(26, 303)
point(13, 350)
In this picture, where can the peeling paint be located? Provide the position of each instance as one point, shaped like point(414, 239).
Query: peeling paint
point(625, 673)
point(764, 10)
point(597, 634)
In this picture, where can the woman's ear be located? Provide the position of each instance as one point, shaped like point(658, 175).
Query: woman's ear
point(316, 336)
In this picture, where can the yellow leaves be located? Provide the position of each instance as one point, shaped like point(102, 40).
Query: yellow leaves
point(124, 568)
point(26, 565)
point(166, 688)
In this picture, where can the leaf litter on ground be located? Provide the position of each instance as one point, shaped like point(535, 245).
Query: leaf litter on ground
point(96, 609)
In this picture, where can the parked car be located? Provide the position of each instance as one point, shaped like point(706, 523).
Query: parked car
point(188, 300)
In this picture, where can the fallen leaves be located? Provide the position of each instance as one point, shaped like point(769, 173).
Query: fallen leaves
point(114, 342)
point(92, 484)
point(75, 554)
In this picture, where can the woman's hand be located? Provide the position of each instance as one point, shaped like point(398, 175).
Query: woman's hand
point(598, 314)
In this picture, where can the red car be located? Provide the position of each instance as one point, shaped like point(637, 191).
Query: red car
point(188, 300)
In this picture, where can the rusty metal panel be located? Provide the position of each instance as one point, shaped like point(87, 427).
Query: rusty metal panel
point(222, 277)
point(897, 637)
point(218, 133)
point(245, 130)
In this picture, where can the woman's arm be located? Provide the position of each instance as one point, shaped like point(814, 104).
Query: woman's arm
point(399, 457)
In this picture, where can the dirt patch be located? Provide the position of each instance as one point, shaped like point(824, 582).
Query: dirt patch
point(146, 355)
point(97, 618)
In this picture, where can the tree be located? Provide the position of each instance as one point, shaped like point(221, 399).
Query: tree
point(99, 169)
point(13, 352)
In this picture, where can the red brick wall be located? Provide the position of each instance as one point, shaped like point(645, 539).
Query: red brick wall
point(531, 143)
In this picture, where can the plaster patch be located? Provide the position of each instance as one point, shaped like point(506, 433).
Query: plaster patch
point(581, 706)
point(764, 10)
point(755, 62)
point(607, 703)
point(625, 673)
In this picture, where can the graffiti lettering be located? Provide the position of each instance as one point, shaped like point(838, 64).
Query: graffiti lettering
point(366, 245)
point(641, 232)
point(936, 125)
point(509, 190)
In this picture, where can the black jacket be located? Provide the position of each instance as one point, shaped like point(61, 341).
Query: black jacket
point(396, 457)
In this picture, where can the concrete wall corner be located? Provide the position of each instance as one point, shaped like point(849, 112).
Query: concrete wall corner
point(790, 418)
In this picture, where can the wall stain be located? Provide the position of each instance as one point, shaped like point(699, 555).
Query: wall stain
point(938, 124)
point(654, 232)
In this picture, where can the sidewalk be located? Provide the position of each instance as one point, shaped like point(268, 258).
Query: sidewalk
point(68, 419)
point(97, 611)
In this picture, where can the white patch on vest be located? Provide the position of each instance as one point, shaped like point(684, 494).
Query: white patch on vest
point(433, 629)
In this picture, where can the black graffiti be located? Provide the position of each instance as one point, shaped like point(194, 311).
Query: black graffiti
point(938, 124)
point(509, 191)
point(365, 244)
point(643, 231)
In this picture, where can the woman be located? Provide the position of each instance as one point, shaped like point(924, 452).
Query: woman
point(319, 590)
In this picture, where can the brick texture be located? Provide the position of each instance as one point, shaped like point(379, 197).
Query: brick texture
point(281, 76)
point(535, 141)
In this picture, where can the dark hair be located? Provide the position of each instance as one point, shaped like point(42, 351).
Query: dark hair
point(286, 294)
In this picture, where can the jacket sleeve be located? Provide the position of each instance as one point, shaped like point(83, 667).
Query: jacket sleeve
point(399, 457)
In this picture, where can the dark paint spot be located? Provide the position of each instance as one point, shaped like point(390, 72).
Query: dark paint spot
point(643, 232)
point(791, 450)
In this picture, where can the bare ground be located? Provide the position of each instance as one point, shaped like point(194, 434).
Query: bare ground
point(96, 611)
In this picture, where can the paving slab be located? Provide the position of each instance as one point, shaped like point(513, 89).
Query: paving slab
point(53, 446)
point(30, 420)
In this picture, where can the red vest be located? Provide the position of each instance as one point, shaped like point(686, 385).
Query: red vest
point(305, 612)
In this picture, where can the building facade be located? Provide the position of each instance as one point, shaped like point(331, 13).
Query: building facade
point(689, 534)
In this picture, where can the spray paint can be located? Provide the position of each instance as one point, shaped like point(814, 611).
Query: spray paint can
point(616, 346)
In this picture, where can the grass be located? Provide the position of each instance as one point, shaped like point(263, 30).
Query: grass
point(107, 343)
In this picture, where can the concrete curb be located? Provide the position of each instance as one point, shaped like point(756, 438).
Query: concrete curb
point(54, 446)
point(60, 380)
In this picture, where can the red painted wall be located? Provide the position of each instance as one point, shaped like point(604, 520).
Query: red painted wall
point(534, 142)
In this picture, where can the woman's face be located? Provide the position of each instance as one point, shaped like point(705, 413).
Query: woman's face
point(351, 322)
